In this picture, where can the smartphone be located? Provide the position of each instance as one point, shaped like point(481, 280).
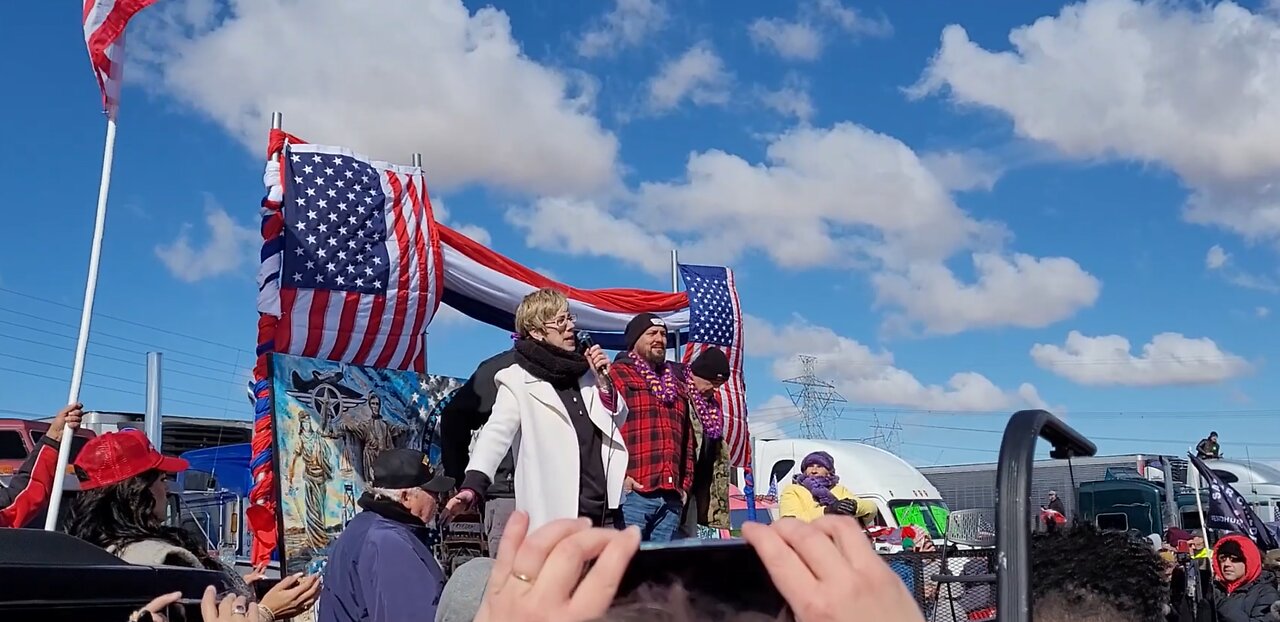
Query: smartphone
point(728, 571)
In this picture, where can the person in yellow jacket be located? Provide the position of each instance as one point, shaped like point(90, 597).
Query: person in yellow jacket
point(816, 491)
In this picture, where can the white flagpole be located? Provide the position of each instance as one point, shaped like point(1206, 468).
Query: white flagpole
point(86, 314)
point(675, 289)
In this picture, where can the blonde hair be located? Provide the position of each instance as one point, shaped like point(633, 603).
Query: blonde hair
point(537, 310)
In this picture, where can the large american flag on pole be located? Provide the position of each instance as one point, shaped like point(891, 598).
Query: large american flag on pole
point(104, 22)
point(716, 322)
point(354, 272)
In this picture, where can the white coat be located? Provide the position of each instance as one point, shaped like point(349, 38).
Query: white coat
point(530, 418)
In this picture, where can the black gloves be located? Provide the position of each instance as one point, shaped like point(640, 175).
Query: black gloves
point(845, 507)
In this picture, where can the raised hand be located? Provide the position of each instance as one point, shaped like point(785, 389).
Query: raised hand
point(828, 572)
point(68, 417)
point(539, 576)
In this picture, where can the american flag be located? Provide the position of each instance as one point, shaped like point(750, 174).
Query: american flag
point(358, 259)
point(104, 22)
point(716, 321)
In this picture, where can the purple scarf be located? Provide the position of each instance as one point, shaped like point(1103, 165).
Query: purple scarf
point(819, 487)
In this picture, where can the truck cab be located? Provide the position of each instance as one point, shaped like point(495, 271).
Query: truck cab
point(901, 493)
point(1123, 505)
point(19, 437)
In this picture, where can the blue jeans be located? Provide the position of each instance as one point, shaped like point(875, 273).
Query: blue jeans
point(657, 514)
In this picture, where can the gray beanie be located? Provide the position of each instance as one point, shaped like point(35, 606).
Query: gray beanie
point(460, 600)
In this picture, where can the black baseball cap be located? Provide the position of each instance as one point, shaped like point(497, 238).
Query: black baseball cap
point(408, 468)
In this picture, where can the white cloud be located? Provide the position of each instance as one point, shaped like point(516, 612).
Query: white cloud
point(772, 418)
point(1010, 291)
point(959, 171)
point(580, 227)
point(229, 246)
point(822, 198)
point(790, 40)
point(698, 75)
point(547, 273)
point(407, 77)
point(1262, 312)
point(803, 37)
point(835, 198)
point(627, 25)
point(1216, 258)
point(1222, 262)
point(870, 377)
point(1168, 359)
point(790, 100)
point(475, 232)
point(1194, 87)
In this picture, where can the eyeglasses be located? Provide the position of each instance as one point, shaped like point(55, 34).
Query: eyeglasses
point(562, 321)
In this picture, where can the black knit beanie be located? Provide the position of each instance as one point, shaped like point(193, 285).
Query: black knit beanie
point(639, 324)
point(711, 365)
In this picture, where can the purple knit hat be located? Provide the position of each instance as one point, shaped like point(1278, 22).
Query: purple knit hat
point(820, 458)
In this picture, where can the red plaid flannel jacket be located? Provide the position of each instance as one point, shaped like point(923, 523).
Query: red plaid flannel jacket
point(655, 433)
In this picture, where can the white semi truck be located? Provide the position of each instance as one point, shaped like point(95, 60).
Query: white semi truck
point(901, 493)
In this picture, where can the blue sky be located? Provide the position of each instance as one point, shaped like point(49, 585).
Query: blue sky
point(958, 213)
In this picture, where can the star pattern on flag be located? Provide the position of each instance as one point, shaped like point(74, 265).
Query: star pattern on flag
point(712, 308)
point(338, 240)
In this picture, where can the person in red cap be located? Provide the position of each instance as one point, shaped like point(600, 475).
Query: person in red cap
point(122, 508)
point(28, 492)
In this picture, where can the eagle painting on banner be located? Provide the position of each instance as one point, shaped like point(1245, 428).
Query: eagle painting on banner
point(331, 422)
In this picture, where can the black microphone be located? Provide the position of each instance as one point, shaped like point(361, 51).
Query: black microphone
point(584, 343)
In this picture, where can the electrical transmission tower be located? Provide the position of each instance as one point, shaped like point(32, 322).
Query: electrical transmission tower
point(813, 397)
point(885, 436)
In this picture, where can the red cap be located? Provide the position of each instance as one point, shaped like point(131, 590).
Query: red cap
point(116, 456)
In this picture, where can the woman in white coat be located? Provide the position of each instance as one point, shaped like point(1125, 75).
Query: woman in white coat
point(558, 409)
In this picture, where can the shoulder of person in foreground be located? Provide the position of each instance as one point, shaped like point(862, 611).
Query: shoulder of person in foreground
point(460, 600)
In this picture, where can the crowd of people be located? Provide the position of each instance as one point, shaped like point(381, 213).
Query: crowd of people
point(572, 460)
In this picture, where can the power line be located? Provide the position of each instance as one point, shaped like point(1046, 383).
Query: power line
point(99, 333)
point(1100, 438)
point(173, 355)
point(126, 321)
point(1255, 412)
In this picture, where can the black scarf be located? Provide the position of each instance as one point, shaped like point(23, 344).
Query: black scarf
point(389, 510)
point(557, 366)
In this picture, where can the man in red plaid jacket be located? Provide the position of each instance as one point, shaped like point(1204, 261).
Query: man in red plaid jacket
point(659, 435)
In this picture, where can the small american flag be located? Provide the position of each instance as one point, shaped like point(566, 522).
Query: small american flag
point(716, 321)
point(358, 258)
point(104, 22)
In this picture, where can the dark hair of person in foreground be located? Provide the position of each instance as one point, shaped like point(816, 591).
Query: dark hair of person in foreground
point(673, 603)
point(1082, 572)
point(124, 513)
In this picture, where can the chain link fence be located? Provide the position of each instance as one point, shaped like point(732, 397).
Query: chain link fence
point(971, 599)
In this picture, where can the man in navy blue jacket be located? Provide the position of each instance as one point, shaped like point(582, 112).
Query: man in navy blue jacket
point(381, 568)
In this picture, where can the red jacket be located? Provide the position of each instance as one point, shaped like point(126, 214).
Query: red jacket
point(660, 438)
point(25, 499)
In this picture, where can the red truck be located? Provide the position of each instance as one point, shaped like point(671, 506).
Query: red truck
point(18, 437)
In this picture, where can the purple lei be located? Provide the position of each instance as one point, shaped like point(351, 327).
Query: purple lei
point(708, 411)
point(819, 487)
point(665, 387)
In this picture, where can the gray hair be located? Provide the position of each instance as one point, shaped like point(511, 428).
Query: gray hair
point(390, 494)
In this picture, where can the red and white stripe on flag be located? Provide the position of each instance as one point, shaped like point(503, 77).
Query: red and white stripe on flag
point(353, 268)
point(733, 394)
point(104, 24)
